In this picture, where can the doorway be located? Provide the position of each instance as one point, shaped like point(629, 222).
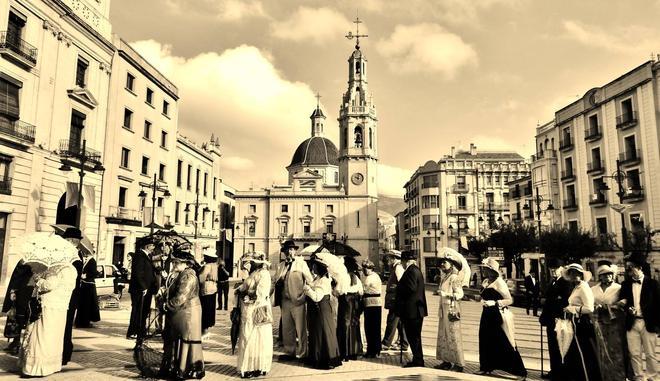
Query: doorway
point(118, 250)
point(66, 216)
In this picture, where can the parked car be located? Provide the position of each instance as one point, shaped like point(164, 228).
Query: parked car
point(105, 282)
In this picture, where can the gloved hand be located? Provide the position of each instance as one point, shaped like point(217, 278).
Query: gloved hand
point(488, 303)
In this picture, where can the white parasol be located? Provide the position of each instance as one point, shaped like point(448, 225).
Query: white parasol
point(565, 333)
point(336, 270)
point(46, 248)
point(464, 273)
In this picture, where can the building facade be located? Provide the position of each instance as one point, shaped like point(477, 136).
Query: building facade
point(464, 194)
point(140, 150)
point(55, 66)
point(329, 190)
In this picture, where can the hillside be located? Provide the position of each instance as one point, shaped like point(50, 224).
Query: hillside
point(391, 205)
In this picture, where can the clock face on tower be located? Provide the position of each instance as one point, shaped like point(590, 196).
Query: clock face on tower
point(357, 178)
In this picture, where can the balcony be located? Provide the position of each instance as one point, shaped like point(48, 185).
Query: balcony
point(493, 206)
point(307, 236)
point(567, 175)
point(124, 216)
point(596, 167)
point(626, 120)
point(566, 143)
point(570, 204)
point(527, 191)
point(630, 157)
point(5, 185)
point(15, 48)
point(430, 185)
point(592, 133)
point(515, 194)
point(634, 193)
point(460, 188)
point(18, 130)
point(547, 154)
point(598, 199)
point(70, 149)
point(460, 210)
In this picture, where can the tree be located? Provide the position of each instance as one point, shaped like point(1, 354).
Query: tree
point(514, 240)
point(569, 245)
point(477, 247)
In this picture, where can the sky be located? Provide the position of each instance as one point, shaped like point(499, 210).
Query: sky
point(443, 73)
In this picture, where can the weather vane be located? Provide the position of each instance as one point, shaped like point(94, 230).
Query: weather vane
point(357, 34)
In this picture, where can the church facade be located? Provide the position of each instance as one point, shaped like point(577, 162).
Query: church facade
point(330, 190)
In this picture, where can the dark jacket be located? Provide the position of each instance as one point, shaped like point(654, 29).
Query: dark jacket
point(649, 302)
point(410, 295)
point(142, 273)
point(532, 288)
point(556, 298)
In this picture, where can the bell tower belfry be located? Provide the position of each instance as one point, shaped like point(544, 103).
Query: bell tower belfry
point(358, 132)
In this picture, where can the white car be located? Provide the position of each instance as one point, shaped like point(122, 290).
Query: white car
point(105, 282)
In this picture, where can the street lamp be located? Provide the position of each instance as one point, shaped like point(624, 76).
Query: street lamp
point(538, 200)
point(71, 150)
point(155, 187)
point(197, 205)
point(434, 227)
point(458, 232)
point(238, 228)
point(619, 176)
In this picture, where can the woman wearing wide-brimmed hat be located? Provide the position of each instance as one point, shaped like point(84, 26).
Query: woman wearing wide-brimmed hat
point(182, 337)
point(208, 287)
point(581, 361)
point(255, 340)
point(449, 347)
point(349, 310)
point(497, 346)
point(609, 323)
point(323, 351)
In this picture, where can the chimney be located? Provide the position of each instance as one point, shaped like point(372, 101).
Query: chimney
point(453, 149)
point(473, 149)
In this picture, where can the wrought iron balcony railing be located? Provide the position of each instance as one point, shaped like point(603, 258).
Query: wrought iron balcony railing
point(596, 166)
point(14, 43)
point(18, 129)
point(567, 175)
point(630, 156)
point(598, 199)
point(5, 185)
point(626, 120)
point(566, 143)
point(460, 188)
point(592, 133)
point(570, 204)
point(71, 149)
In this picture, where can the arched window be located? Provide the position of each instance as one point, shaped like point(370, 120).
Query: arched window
point(371, 138)
point(358, 136)
point(357, 68)
point(552, 143)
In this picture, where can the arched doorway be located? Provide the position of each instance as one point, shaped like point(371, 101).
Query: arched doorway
point(66, 215)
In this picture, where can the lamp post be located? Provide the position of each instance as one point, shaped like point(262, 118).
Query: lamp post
point(155, 187)
point(197, 205)
point(71, 150)
point(434, 227)
point(238, 227)
point(491, 217)
point(458, 232)
point(619, 176)
point(538, 200)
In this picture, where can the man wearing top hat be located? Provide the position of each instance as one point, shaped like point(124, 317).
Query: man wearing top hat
point(294, 323)
point(411, 305)
point(73, 235)
point(556, 298)
point(640, 298)
point(142, 286)
point(396, 273)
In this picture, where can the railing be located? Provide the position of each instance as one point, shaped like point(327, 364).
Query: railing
point(595, 166)
point(598, 199)
point(493, 206)
point(547, 154)
point(18, 129)
point(566, 142)
point(5, 185)
point(73, 149)
point(460, 188)
point(125, 213)
point(630, 156)
point(592, 133)
point(567, 175)
point(527, 191)
point(634, 192)
point(626, 120)
point(460, 210)
point(570, 203)
point(18, 45)
point(515, 194)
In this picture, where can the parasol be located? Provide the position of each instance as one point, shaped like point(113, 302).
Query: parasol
point(235, 317)
point(464, 273)
point(336, 270)
point(565, 333)
point(307, 251)
point(46, 248)
point(86, 245)
point(339, 248)
point(61, 228)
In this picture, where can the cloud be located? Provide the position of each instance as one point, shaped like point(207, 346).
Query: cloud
point(631, 39)
point(312, 24)
point(426, 48)
point(240, 96)
point(392, 179)
point(496, 143)
point(224, 10)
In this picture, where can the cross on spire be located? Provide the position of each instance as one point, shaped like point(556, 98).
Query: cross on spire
point(357, 34)
point(318, 99)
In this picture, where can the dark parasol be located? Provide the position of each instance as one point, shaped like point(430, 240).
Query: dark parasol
point(338, 248)
point(235, 317)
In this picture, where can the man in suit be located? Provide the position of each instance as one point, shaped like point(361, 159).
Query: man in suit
point(396, 272)
point(640, 298)
point(556, 298)
point(141, 287)
point(223, 285)
point(294, 311)
point(532, 290)
point(411, 305)
point(73, 235)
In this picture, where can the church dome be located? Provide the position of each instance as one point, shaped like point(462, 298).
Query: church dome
point(316, 150)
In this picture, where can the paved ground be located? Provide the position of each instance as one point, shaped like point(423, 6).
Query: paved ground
point(103, 353)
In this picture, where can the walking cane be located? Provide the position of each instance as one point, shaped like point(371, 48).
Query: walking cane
point(400, 326)
point(541, 350)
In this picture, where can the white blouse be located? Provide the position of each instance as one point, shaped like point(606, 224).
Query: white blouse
point(609, 296)
point(356, 288)
point(581, 300)
point(372, 284)
point(319, 288)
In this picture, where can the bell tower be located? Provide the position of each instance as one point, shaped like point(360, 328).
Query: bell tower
point(358, 130)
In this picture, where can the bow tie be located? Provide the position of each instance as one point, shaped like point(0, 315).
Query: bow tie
point(637, 281)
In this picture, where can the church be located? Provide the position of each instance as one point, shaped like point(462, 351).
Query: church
point(330, 191)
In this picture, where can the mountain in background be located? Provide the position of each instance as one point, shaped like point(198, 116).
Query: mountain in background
point(391, 205)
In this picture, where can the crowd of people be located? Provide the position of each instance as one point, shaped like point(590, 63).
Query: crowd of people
point(594, 333)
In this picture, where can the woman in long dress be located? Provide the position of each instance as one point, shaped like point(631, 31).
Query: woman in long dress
point(88, 305)
point(372, 309)
point(322, 349)
point(497, 346)
point(349, 310)
point(609, 323)
point(581, 360)
point(208, 287)
point(255, 340)
point(183, 355)
point(449, 345)
point(41, 348)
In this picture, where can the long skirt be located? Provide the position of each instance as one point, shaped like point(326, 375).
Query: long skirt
point(41, 347)
point(372, 321)
point(88, 306)
point(349, 336)
point(323, 352)
point(495, 349)
point(208, 311)
point(183, 355)
point(611, 345)
point(581, 360)
point(255, 343)
point(449, 345)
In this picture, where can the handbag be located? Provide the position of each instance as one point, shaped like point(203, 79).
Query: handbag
point(262, 315)
point(453, 314)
